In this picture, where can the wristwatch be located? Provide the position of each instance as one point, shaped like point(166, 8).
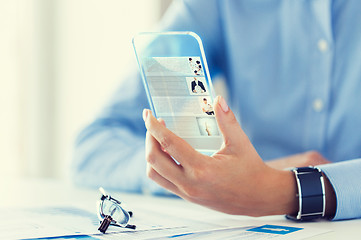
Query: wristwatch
point(311, 194)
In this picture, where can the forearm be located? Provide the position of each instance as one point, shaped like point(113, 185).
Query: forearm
point(330, 198)
point(102, 158)
point(344, 178)
point(112, 158)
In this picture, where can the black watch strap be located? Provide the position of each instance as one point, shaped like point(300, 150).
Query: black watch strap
point(311, 194)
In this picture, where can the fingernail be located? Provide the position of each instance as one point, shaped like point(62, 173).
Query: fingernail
point(145, 114)
point(223, 104)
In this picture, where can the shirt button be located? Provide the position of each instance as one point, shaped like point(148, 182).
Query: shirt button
point(322, 45)
point(317, 105)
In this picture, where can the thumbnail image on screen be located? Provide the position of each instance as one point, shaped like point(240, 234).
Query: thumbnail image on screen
point(180, 95)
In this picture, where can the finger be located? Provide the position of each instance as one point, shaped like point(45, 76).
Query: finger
point(310, 158)
point(228, 124)
point(174, 145)
point(316, 158)
point(156, 177)
point(163, 123)
point(161, 161)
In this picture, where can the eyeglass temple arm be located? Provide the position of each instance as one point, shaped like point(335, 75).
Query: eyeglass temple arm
point(102, 191)
point(105, 195)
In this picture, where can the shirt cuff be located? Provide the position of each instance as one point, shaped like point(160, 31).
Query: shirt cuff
point(346, 182)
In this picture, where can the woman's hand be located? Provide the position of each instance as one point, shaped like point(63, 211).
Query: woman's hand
point(234, 180)
point(311, 158)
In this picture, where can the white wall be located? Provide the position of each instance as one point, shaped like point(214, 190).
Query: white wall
point(60, 61)
point(9, 94)
point(93, 51)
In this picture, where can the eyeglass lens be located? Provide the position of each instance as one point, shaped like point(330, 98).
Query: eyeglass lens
point(112, 209)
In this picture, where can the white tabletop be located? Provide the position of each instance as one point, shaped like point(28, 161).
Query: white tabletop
point(40, 193)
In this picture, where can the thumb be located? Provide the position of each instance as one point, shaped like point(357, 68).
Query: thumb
point(228, 124)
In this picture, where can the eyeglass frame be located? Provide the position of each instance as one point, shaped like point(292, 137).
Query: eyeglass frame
point(102, 216)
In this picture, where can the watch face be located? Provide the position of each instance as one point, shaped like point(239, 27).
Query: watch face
point(311, 194)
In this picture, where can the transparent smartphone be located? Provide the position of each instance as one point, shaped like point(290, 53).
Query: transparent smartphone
point(175, 74)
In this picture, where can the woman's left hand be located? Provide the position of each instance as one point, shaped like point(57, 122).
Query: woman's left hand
point(234, 180)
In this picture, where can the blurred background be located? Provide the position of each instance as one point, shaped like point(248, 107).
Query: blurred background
point(60, 60)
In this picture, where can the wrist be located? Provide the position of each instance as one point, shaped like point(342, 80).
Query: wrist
point(280, 192)
point(315, 194)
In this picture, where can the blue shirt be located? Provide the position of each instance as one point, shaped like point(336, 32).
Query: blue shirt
point(293, 71)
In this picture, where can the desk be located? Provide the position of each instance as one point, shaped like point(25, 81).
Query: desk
point(40, 193)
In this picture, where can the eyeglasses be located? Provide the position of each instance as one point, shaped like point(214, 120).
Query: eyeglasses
point(110, 212)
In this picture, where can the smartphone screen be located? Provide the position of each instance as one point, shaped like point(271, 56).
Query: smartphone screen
point(178, 85)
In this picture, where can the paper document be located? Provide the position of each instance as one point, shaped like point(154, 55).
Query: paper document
point(55, 221)
point(251, 233)
point(75, 223)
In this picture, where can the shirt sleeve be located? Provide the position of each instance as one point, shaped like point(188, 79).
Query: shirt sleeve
point(345, 177)
point(110, 151)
